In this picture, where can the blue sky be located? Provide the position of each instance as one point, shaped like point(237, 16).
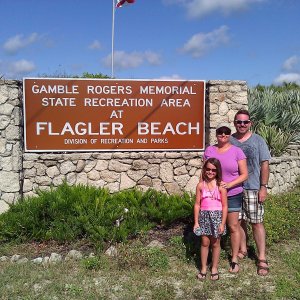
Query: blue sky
point(253, 40)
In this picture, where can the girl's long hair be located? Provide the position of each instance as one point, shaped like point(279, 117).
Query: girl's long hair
point(215, 162)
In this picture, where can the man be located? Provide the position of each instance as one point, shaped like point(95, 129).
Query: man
point(255, 187)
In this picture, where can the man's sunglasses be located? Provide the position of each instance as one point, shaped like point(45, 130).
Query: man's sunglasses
point(222, 131)
point(240, 122)
point(211, 170)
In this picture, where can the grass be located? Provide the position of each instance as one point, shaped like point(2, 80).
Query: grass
point(139, 272)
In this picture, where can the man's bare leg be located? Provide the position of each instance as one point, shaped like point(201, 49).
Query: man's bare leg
point(259, 235)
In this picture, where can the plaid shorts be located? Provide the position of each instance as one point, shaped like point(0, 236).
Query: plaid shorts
point(252, 210)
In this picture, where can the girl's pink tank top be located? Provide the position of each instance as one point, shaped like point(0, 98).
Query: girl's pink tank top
point(210, 200)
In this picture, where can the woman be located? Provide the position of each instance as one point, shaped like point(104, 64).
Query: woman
point(234, 170)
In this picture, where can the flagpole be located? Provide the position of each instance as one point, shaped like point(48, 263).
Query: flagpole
point(112, 38)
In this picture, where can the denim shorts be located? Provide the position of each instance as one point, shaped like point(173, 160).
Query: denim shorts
point(235, 202)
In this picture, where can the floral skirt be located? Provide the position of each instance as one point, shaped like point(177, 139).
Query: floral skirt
point(209, 222)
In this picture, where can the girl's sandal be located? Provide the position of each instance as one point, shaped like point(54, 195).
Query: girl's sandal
point(201, 276)
point(232, 267)
point(214, 276)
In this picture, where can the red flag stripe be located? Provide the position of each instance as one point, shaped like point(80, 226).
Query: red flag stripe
point(122, 2)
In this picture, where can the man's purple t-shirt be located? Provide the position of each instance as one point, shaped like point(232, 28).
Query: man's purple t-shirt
point(229, 163)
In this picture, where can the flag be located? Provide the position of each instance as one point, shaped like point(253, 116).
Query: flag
point(120, 3)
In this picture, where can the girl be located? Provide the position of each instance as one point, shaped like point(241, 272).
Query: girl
point(211, 202)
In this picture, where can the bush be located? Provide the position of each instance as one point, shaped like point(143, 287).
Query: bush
point(59, 74)
point(282, 217)
point(276, 139)
point(276, 115)
point(73, 212)
point(68, 213)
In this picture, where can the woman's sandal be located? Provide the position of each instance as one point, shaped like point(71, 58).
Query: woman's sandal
point(213, 275)
point(242, 254)
point(264, 268)
point(232, 266)
point(201, 276)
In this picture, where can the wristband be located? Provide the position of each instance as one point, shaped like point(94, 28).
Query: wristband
point(265, 185)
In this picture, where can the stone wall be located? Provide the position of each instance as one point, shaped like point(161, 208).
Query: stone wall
point(284, 173)
point(223, 99)
point(171, 172)
point(11, 142)
point(292, 150)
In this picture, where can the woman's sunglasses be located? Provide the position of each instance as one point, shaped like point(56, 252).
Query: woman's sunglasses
point(222, 131)
point(211, 170)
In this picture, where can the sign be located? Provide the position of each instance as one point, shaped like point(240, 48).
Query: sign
point(108, 114)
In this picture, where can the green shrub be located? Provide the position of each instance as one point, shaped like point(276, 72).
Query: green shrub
point(279, 88)
point(96, 75)
point(276, 115)
point(282, 217)
point(63, 74)
point(164, 209)
point(276, 139)
point(71, 212)
point(68, 213)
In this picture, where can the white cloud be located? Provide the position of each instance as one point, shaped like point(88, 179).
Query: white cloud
point(16, 69)
point(200, 43)
point(95, 45)
point(17, 42)
point(287, 77)
point(291, 63)
point(200, 8)
point(171, 77)
point(152, 58)
point(124, 60)
point(20, 67)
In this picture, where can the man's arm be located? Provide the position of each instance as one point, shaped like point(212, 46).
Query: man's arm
point(264, 179)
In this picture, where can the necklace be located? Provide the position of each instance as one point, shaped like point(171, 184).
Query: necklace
point(212, 192)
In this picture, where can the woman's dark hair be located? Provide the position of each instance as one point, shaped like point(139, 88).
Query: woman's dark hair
point(223, 129)
point(215, 162)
